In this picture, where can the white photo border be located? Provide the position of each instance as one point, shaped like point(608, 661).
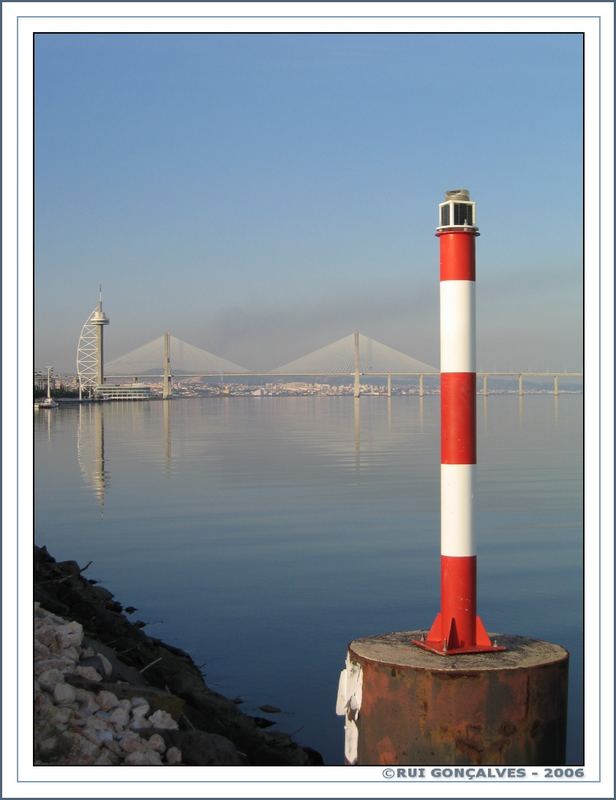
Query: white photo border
point(20, 22)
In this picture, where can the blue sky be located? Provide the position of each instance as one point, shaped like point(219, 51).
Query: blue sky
point(263, 195)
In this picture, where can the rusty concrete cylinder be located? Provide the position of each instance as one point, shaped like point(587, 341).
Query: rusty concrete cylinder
point(420, 708)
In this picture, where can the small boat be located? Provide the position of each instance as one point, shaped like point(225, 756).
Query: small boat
point(48, 402)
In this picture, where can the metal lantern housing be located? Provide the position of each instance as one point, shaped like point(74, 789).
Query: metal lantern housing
point(457, 210)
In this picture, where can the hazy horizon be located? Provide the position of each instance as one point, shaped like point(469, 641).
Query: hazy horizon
point(260, 196)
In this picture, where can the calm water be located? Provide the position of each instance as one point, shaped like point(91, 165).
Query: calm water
point(263, 534)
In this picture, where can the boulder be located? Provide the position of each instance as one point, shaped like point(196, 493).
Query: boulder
point(203, 749)
point(63, 694)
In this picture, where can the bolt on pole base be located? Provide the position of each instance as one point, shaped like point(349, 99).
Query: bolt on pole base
point(449, 644)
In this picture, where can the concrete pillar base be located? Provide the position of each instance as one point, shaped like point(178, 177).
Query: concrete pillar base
point(408, 706)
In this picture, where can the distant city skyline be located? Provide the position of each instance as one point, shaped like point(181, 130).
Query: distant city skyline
point(260, 196)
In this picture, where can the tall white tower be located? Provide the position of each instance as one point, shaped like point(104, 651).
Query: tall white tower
point(98, 319)
point(90, 369)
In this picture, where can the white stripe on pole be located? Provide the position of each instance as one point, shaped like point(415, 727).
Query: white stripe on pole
point(457, 528)
point(457, 326)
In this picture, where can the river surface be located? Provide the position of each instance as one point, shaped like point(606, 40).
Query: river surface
point(263, 534)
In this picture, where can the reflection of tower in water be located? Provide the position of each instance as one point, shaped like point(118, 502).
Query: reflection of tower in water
point(167, 437)
point(357, 431)
point(43, 422)
point(91, 450)
point(520, 410)
point(49, 417)
point(556, 415)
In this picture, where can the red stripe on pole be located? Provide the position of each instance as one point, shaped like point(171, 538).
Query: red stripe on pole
point(458, 423)
point(458, 599)
point(457, 255)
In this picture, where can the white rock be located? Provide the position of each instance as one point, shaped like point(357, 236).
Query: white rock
point(139, 701)
point(96, 723)
point(63, 694)
point(114, 746)
point(49, 679)
point(141, 711)
point(63, 665)
point(106, 700)
point(174, 756)
point(104, 736)
point(71, 653)
point(89, 673)
point(89, 733)
point(105, 664)
point(48, 744)
point(131, 742)
point(83, 750)
point(156, 742)
point(125, 704)
point(40, 650)
point(106, 759)
point(119, 717)
point(61, 716)
point(46, 634)
point(140, 759)
point(163, 720)
point(87, 701)
point(84, 695)
point(140, 724)
point(42, 701)
point(70, 634)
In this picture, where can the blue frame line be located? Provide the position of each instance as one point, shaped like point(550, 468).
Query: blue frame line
point(599, 319)
point(17, 376)
point(307, 16)
point(549, 782)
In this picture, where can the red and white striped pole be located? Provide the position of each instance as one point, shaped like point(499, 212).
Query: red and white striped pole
point(457, 628)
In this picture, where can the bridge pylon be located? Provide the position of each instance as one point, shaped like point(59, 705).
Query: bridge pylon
point(356, 384)
point(166, 367)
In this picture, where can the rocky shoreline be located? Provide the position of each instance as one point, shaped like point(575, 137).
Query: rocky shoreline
point(106, 693)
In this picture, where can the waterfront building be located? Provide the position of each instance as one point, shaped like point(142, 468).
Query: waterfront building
point(129, 391)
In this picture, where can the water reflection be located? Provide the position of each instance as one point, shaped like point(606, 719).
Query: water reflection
point(50, 417)
point(556, 411)
point(357, 428)
point(43, 420)
point(167, 435)
point(91, 450)
point(485, 412)
point(520, 410)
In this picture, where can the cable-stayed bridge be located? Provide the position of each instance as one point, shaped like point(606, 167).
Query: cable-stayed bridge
point(148, 360)
point(342, 357)
point(354, 355)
